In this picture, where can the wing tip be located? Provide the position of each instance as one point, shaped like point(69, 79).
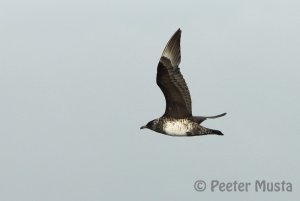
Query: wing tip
point(178, 32)
point(223, 114)
point(172, 49)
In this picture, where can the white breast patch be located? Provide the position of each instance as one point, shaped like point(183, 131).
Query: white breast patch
point(177, 127)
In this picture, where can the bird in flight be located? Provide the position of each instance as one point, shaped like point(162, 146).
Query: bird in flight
point(177, 119)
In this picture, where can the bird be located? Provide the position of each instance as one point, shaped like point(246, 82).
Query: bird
point(177, 119)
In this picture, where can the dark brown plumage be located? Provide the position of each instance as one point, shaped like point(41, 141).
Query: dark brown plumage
point(177, 119)
point(171, 81)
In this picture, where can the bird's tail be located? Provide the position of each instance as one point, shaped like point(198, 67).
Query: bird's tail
point(216, 132)
point(205, 131)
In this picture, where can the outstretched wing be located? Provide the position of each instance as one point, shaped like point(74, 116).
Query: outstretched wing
point(200, 119)
point(171, 81)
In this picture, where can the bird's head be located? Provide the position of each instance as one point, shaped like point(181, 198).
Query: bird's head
point(150, 125)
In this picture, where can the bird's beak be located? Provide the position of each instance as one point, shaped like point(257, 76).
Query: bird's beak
point(142, 127)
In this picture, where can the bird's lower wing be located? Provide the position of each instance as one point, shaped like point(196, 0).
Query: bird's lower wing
point(200, 119)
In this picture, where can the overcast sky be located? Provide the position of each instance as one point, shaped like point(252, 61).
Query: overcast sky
point(77, 80)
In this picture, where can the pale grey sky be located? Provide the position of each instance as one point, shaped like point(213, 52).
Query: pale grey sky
point(77, 80)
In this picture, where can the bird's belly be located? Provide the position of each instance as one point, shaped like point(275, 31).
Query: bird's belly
point(180, 127)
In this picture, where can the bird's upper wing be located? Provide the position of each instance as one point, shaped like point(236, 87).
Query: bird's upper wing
point(171, 81)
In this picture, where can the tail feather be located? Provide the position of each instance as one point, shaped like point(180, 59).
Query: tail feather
point(200, 119)
point(217, 132)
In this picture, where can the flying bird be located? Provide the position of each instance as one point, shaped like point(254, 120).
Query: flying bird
point(177, 119)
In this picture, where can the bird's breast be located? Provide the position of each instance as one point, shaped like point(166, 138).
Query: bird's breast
point(178, 127)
